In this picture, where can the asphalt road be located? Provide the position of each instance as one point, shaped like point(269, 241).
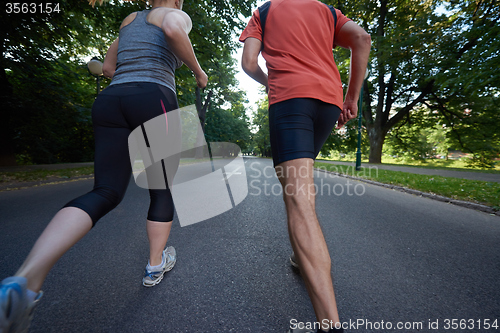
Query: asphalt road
point(397, 258)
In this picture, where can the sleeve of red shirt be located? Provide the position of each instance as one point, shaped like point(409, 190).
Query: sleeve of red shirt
point(253, 28)
point(341, 20)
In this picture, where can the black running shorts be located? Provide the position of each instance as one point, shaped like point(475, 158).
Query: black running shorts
point(299, 127)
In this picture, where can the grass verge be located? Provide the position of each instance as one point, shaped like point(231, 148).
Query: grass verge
point(42, 174)
point(486, 193)
point(429, 164)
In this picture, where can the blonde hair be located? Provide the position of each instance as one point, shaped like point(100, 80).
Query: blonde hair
point(92, 2)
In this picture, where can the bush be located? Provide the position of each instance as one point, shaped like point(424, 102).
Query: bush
point(482, 160)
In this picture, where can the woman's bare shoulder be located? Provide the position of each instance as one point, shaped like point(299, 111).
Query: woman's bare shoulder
point(128, 19)
point(157, 16)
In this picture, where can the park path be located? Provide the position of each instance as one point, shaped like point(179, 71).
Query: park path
point(487, 177)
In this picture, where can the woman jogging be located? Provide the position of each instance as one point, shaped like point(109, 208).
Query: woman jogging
point(142, 62)
point(296, 38)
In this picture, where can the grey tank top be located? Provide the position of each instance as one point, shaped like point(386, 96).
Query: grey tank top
point(144, 55)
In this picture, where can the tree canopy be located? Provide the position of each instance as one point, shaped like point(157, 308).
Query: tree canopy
point(434, 64)
point(439, 54)
point(47, 91)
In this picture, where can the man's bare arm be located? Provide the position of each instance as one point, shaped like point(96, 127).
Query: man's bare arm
point(351, 36)
point(249, 61)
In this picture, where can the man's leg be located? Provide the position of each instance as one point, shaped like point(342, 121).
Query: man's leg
point(306, 236)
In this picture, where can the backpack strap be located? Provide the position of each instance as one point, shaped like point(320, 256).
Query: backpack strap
point(334, 13)
point(263, 11)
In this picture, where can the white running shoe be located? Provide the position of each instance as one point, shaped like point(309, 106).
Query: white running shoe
point(293, 261)
point(152, 278)
point(16, 312)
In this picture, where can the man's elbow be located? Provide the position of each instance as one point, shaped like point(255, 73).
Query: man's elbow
point(248, 65)
point(360, 43)
point(245, 66)
point(364, 40)
point(367, 40)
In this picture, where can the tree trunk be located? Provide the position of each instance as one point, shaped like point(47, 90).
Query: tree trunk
point(377, 138)
point(202, 111)
point(7, 156)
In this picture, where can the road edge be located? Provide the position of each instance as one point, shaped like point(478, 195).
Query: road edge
point(14, 186)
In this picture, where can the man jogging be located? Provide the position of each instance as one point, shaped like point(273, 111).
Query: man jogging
point(296, 38)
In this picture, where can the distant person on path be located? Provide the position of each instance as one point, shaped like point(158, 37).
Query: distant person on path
point(142, 62)
point(296, 38)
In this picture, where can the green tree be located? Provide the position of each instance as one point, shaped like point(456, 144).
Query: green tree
point(228, 125)
point(261, 138)
point(411, 138)
point(422, 56)
point(345, 140)
point(212, 36)
point(440, 143)
point(46, 92)
point(474, 127)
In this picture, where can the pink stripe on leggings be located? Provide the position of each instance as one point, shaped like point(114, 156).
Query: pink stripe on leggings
point(165, 112)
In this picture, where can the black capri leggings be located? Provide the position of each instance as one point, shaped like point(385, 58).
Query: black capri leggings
point(299, 127)
point(117, 111)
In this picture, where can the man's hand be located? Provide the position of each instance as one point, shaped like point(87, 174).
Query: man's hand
point(351, 36)
point(350, 111)
point(201, 79)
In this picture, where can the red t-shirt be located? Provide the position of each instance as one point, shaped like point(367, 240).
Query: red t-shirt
point(298, 47)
